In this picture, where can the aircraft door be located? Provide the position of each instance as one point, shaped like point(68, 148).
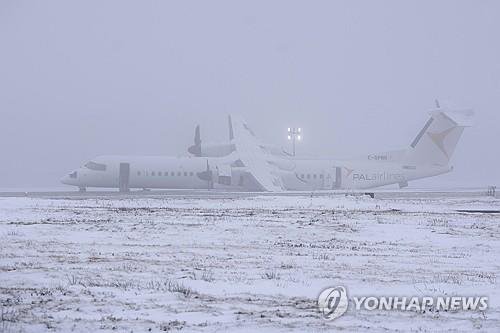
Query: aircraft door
point(326, 180)
point(124, 177)
point(224, 174)
point(338, 178)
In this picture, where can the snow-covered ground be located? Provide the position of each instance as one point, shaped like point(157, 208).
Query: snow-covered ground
point(251, 264)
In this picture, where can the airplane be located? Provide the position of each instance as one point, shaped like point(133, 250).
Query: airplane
point(245, 164)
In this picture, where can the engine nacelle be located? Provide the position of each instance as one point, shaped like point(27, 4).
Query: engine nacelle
point(211, 149)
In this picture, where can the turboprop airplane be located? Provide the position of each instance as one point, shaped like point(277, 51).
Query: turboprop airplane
point(249, 165)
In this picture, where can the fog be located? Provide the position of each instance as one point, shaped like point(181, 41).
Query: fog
point(83, 79)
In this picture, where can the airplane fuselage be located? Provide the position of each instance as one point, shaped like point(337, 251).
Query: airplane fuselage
point(143, 172)
point(159, 172)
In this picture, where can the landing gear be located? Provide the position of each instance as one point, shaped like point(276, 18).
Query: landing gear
point(124, 178)
point(82, 189)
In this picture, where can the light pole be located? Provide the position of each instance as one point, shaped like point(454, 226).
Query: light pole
point(294, 134)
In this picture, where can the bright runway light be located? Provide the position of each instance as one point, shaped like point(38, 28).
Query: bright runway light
point(294, 134)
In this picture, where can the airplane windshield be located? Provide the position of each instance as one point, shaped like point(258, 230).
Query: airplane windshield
point(95, 166)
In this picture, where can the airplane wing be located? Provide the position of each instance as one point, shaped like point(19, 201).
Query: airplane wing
point(255, 157)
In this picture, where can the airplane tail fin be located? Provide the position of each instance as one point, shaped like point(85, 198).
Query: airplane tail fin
point(436, 141)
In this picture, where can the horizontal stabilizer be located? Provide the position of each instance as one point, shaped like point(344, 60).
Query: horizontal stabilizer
point(463, 118)
point(436, 141)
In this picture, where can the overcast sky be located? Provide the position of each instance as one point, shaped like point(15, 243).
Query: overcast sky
point(81, 79)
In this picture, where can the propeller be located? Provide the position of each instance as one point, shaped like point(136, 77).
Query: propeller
point(196, 148)
point(210, 181)
point(207, 175)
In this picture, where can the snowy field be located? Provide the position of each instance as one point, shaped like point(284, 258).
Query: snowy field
point(251, 264)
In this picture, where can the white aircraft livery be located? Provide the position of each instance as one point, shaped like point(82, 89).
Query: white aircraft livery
point(245, 164)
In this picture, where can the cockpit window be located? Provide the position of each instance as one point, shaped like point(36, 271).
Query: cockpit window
point(95, 166)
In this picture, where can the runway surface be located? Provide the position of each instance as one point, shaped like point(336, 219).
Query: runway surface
point(375, 193)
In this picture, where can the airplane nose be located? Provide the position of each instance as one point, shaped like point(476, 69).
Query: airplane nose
point(64, 180)
point(69, 179)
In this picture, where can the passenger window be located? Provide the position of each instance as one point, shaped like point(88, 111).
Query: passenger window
point(95, 166)
point(172, 174)
point(308, 176)
point(159, 173)
point(185, 174)
point(179, 173)
point(153, 173)
point(165, 173)
point(314, 176)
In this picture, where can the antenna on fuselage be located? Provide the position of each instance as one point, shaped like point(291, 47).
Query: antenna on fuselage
point(231, 133)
